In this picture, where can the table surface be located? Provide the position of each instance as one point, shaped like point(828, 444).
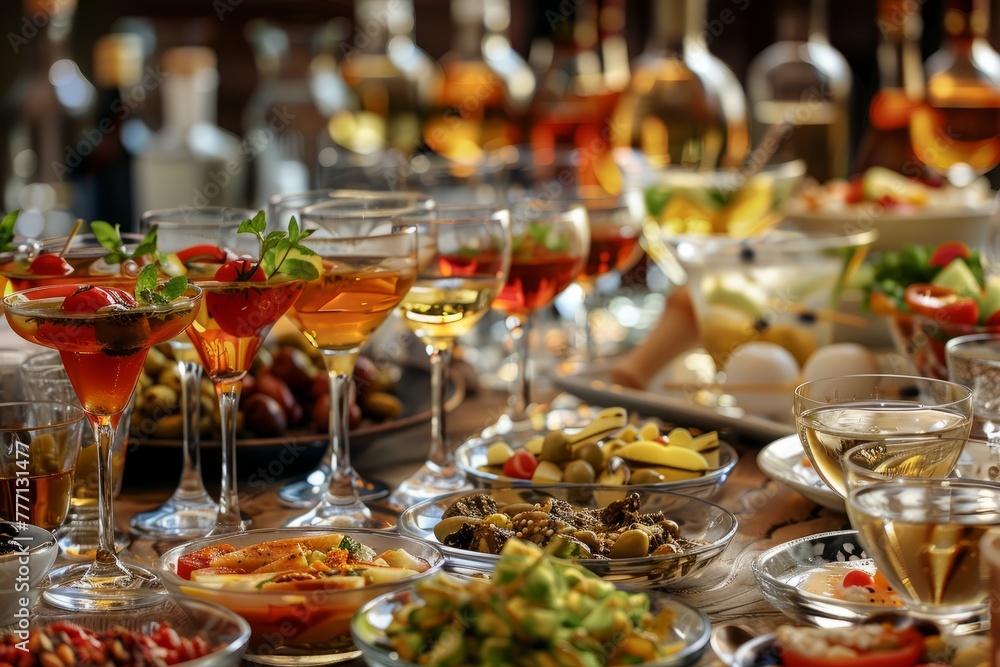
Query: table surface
point(769, 514)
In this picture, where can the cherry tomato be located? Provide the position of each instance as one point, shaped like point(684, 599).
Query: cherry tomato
point(50, 264)
point(240, 270)
point(857, 578)
point(911, 645)
point(855, 192)
point(206, 252)
point(521, 466)
point(993, 320)
point(188, 563)
point(90, 299)
point(942, 304)
point(946, 252)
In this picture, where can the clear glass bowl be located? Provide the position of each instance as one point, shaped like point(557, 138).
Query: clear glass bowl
point(691, 628)
point(301, 627)
point(697, 518)
point(471, 458)
point(780, 572)
point(223, 630)
point(922, 341)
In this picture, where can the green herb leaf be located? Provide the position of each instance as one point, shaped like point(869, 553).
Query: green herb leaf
point(280, 251)
point(148, 244)
point(110, 238)
point(298, 268)
point(174, 287)
point(7, 231)
point(145, 284)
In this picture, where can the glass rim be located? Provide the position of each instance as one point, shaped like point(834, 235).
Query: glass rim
point(13, 300)
point(959, 341)
point(396, 231)
point(926, 482)
point(177, 215)
point(799, 395)
point(80, 415)
point(433, 215)
point(285, 200)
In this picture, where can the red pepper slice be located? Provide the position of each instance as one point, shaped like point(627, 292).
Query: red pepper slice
point(206, 252)
point(947, 251)
point(942, 304)
point(911, 645)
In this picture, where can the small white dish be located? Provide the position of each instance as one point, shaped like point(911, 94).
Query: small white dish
point(784, 461)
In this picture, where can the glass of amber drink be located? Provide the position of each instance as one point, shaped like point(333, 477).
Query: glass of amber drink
point(104, 335)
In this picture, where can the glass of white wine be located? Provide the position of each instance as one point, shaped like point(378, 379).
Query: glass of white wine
point(924, 536)
point(834, 414)
point(464, 258)
point(907, 456)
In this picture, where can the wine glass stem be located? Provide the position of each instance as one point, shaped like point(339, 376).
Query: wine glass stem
point(340, 368)
point(229, 519)
point(191, 485)
point(520, 398)
point(106, 562)
point(440, 357)
point(583, 320)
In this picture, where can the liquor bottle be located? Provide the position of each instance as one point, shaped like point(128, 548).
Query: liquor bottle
point(613, 47)
point(683, 107)
point(956, 132)
point(805, 84)
point(483, 96)
point(191, 161)
point(47, 123)
point(886, 142)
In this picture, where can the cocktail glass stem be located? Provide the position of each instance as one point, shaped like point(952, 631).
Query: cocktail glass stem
point(583, 321)
point(191, 488)
point(440, 455)
point(106, 570)
point(520, 397)
point(229, 518)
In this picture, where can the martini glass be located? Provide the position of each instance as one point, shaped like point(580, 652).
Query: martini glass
point(103, 353)
point(231, 325)
point(471, 258)
point(551, 239)
point(191, 233)
point(369, 264)
point(369, 208)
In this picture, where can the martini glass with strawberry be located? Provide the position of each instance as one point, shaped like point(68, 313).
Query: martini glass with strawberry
point(369, 264)
point(243, 300)
point(199, 241)
point(103, 335)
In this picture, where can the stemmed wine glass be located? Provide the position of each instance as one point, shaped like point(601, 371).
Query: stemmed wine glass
point(470, 248)
point(201, 239)
point(369, 264)
point(367, 208)
point(103, 340)
point(551, 239)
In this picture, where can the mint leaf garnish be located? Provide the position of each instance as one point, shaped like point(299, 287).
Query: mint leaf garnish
point(7, 231)
point(110, 238)
point(282, 252)
point(148, 289)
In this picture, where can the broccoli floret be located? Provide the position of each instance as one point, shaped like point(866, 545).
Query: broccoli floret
point(358, 551)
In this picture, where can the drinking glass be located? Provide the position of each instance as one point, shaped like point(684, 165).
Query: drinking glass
point(365, 209)
point(835, 414)
point(908, 456)
point(103, 353)
point(39, 443)
point(78, 535)
point(452, 183)
point(551, 239)
point(974, 361)
point(369, 265)
point(924, 536)
point(454, 289)
point(191, 234)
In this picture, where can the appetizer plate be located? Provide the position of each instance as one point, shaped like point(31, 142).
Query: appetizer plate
point(699, 520)
point(788, 574)
point(594, 387)
point(783, 461)
point(691, 630)
point(307, 626)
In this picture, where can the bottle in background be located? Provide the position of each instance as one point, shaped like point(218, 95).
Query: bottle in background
point(956, 132)
point(47, 123)
point(683, 107)
point(886, 142)
point(803, 82)
point(191, 161)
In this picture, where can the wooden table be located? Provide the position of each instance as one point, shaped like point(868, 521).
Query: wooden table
point(769, 514)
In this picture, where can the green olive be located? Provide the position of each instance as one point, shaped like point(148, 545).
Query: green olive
point(452, 524)
point(579, 472)
point(555, 448)
point(589, 538)
point(615, 472)
point(646, 476)
point(631, 544)
point(158, 400)
point(592, 454)
point(671, 527)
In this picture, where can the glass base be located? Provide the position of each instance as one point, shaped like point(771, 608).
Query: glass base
point(428, 482)
point(347, 515)
point(217, 529)
point(307, 492)
point(75, 588)
point(77, 539)
point(177, 519)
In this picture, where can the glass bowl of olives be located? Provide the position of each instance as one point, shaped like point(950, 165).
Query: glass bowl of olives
point(640, 536)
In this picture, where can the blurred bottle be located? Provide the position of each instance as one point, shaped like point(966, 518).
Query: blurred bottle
point(191, 161)
point(901, 90)
point(48, 123)
point(482, 99)
point(117, 67)
point(805, 84)
point(283, 120)
point(956, 132)
point(683, 107)
point(614, 48)
point(573, 103)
